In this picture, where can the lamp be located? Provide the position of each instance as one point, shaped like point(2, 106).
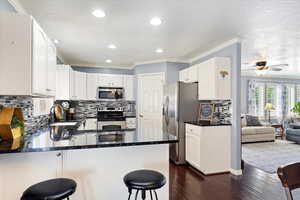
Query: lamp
point(268, 108)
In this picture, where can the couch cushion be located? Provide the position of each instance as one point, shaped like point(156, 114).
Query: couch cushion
point(294, 126)
point(252, 121)
point(254, 130)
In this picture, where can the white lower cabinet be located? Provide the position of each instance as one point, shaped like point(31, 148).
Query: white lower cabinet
point(208, 148)
point(91, 124)
point(131, 123)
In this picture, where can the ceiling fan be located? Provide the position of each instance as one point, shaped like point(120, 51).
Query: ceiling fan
point(261, 67)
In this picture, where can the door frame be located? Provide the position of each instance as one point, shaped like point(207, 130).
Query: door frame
point(139, 76)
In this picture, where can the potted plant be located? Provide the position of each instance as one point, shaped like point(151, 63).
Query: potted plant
point(296, 110)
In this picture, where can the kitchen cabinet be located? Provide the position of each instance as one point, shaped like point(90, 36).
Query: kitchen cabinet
point(26, 55)
point(78, 85)
point(208, 148)
point(128, 86)
point(214, 79)
point(110, 80)
point(62, 82)
point(131, 123)
point(51, 70)
point(91, 86)
point(91, 124)
point(189, 75)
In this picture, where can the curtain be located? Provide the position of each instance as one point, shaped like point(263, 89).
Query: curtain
point(251, 97)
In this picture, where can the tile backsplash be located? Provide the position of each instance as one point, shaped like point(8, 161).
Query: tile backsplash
point(32, 122)
point(89, 108)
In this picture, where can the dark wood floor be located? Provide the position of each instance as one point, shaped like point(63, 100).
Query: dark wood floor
point(186, 184)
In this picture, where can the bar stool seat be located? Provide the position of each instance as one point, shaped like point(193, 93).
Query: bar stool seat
point(144, 180)
point(54, 189)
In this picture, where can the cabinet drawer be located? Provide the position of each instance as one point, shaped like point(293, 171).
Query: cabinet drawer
point(192, 130)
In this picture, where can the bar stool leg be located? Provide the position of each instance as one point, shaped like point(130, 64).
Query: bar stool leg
point(136, 194)
point(129, 191)
point(155, 195)
point(143, 194)
point(151, 194)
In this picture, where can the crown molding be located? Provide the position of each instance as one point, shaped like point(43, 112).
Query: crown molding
point(215, 49)
point(129, 67)
point(160, 61)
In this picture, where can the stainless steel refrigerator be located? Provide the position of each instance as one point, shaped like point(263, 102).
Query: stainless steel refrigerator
point(180, 105)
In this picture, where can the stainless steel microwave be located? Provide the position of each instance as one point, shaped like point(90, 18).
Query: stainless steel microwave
point(110, 93)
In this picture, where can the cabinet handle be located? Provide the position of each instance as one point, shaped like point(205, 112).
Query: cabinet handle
point(58, 154)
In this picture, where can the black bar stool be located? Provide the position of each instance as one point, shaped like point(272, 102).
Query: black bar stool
point(144, 180)
point(53, 189)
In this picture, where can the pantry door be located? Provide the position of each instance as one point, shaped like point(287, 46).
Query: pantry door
point(150, 101)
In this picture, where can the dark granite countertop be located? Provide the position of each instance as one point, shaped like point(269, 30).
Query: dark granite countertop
point(207, 123)
point(57, 138)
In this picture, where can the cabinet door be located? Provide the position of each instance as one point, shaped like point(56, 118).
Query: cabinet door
point(91, 86)
point(80, 85)
point(51, 69)
point(193, 74)
point(40, 54)
point(206, 81)
point(223, 85)
point(62, 82)
point(116, 80)
point(193, 150)
point(183, 75)
point(91, 124)
point(104, 80)
point(128, 86)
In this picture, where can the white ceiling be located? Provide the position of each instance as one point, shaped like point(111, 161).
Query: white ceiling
point(267, 28)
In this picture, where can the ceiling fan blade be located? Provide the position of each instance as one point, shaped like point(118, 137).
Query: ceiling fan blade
point(278, 66)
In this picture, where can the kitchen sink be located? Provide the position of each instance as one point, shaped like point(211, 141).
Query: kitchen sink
point(63, 124)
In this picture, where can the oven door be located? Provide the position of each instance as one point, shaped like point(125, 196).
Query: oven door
point(110, 94)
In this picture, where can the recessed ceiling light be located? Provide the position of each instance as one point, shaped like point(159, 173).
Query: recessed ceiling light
point(108, 61)
point(155, 21)
point(56, 41)
point(99, 13)
point(159, 50)
point(112, 46)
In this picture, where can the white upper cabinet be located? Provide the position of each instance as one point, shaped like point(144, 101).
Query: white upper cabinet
point(128, 87)
point(214, 79)
point(110, 80)
point(25, 57)
point(189, 75)
point(51, 73)
point(62, 82)
point(78, 85)
point(91, 86)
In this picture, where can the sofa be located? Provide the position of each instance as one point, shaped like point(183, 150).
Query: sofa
point(256, 132)
point(293, 132)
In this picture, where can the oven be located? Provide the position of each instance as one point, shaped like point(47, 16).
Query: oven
point(110, 118)
point(110, 93)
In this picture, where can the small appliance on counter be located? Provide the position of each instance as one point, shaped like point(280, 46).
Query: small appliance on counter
point(110, 93)
point(111, 117)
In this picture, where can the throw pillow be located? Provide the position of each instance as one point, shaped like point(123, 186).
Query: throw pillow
point(252, 121)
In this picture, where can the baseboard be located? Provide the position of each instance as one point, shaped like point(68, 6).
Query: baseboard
point(236, 172)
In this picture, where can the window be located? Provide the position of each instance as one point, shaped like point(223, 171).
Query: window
point(297, 93)
point(290, 98)
point(259, 100)
point(271, 97)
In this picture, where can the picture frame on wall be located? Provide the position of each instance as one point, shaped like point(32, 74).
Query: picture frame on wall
point(206, 111)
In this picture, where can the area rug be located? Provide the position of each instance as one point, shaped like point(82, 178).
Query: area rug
point(268, 156)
